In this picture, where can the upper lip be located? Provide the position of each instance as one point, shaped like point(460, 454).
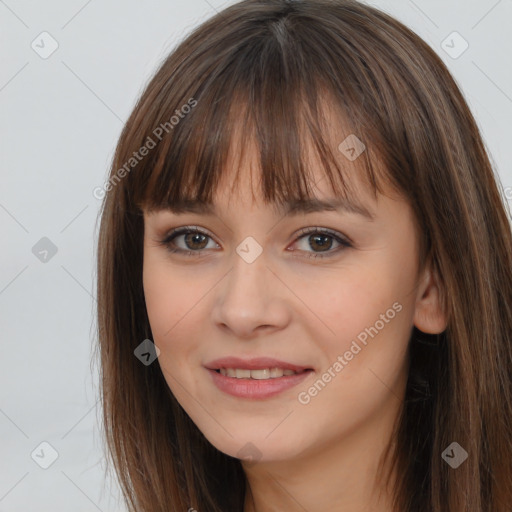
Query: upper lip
point(256, 363)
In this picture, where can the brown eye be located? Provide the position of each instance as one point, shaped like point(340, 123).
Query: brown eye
point(321, 241)
point(194, 241)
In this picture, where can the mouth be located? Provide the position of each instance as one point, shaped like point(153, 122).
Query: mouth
point(261, 374)
point(258, 378)
point(255, 368)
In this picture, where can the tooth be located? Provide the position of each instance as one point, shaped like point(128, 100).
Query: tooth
point(260, 374)
point(276, 372)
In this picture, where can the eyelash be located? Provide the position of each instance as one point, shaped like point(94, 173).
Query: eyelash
point(343, 241)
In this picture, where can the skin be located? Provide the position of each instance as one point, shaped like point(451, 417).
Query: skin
point(323, 455)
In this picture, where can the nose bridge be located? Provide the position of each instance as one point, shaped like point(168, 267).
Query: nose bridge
point(247, 282)
point(248, 296)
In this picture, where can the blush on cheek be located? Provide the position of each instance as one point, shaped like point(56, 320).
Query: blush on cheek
point(380, 336)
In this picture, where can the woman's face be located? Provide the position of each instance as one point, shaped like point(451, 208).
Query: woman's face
point(257, 288)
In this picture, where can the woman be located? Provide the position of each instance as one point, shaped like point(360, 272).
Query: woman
point(305, 275)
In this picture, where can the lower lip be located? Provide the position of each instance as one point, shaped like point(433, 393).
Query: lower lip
point(254, 388)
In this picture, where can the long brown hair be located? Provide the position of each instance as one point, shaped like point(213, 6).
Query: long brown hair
point(267, 66)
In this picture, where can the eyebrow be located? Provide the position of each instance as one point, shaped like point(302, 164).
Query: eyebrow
point(290, 208)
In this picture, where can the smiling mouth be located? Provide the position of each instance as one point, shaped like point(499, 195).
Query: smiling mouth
point(256, 379)
point(260, 374)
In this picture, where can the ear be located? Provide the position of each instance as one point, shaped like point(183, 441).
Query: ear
point(429, 315)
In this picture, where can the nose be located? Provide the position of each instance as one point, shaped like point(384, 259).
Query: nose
point(251, 300)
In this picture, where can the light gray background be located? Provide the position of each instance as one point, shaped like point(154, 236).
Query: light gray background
point(61, 117)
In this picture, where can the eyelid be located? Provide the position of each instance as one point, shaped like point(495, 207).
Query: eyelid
point(186, 229)
point(182, 230)
point(327, 231)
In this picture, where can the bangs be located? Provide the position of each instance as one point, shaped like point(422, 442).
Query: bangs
point(271, 93)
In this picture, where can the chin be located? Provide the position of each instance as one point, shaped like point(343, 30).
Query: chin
point(252, 446)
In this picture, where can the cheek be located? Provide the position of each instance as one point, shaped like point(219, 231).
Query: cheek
point(174, 302)
point(169, 304)
point(160, 303)
point(168, 296)
point(347, 302)
point(366, 312)
point(364, 361)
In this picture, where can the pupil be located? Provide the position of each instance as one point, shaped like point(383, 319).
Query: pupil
point(194, 237)
point(321, 244)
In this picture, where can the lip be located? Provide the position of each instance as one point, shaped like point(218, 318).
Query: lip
point(255, 389)
point(256, 363)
